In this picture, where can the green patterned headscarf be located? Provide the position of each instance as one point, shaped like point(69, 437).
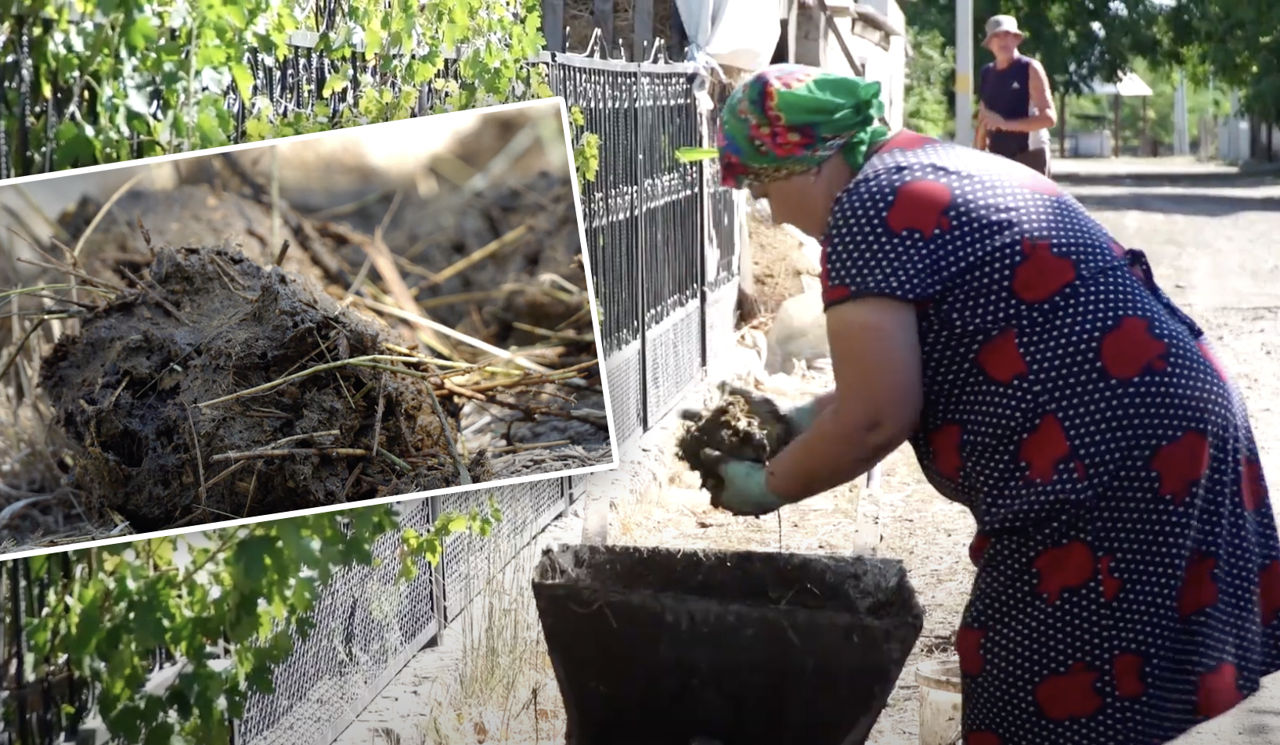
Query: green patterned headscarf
point(787, 119)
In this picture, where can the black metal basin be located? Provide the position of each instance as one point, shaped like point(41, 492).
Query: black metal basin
point(663, 647)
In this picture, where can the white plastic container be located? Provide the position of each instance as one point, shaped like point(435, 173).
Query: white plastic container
point(939, 702)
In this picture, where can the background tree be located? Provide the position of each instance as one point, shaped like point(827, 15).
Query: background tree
point(1238, 42)
point(929, 76)
point(1219, 45)
point(1077, 41)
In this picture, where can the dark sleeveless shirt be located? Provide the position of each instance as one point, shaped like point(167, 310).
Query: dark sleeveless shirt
point(1007, 92)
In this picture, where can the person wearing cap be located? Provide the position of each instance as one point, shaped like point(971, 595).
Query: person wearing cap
point(1128, 563)
point(1016, 111)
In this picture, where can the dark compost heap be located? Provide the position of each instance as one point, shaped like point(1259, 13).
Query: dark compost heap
point(210, 323)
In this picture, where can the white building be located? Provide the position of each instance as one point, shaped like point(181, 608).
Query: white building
point(873, 32)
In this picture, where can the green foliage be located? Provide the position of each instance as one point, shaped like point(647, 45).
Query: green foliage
point(131, 68)
point(1083, 112)
point(247, 587)
point(930, 74)
point(1237, 42)
point(586, 147)
point(1080, 41)
point(156, 71)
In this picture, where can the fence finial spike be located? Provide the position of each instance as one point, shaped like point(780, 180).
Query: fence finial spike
point(591, 43)
point(658, 54)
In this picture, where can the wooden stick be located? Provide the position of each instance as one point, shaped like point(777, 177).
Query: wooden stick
point(278, 443)
point(526, 446)
point(380, 255)
point(284, 248)
point(195, 442)
point(126, 186)
point(346, 209)
point(17, 350)
point(459, 366)
point(470, 260)
point(377, 418)
point(469, 340)
point(304, 373)
point(92, 281)
point(155, 296)
point(4, 294)
point(454, 388)
point(554, 335)
point(287, 452)
point(464, 297)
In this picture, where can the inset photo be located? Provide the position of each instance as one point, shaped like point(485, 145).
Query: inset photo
point(312, 322)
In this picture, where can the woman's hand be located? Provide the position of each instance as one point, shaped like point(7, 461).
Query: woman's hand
point(745, 491)
point(879, 396)
point(801, 417)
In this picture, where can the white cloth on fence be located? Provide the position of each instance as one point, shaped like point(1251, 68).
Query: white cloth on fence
point(737, 34)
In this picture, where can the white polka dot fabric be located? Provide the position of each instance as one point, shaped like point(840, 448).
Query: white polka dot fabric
point(1128, 580)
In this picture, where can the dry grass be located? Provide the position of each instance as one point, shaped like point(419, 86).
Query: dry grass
point(504, 690)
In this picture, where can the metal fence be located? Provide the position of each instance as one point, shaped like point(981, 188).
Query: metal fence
point(368, 624)
point(661, 235)
point(35, 706)
point(663, 243)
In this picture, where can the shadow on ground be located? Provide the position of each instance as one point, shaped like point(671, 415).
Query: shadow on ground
point(1202, 202)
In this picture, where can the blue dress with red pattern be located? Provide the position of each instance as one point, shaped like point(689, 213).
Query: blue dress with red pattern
point(1128, 583)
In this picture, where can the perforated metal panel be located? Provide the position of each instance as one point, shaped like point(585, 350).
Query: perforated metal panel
point(470, 560)
point(367, 626)
point(526, 510)
point(673, 359)
point(573, 489)
point(456, 563)
point(626, 393)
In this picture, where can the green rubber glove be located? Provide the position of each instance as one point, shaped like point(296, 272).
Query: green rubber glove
point(803, 416)
point(745, 490)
